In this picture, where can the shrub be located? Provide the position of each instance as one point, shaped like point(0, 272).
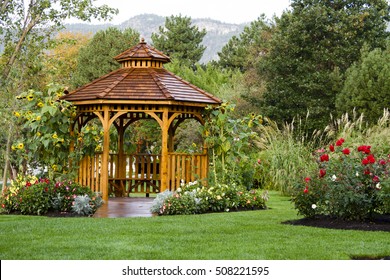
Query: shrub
point(194, 198)
point(30, 196)
point(351, 184)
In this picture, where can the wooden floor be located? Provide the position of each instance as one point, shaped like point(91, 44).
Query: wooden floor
point(121, 207)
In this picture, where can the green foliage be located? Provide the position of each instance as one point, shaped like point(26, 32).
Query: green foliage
point(180, 40)
point(31, 196)
point(45, 139)
point(367, 85)
point(240, 52)
point(21, 24)
point(311, 48)
point(194, 198)
point(231, 142)
point(45, 120)
point(284, 157)
point(350, 184)
point(97, 58)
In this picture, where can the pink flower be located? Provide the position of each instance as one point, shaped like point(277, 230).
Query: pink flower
point(346, 151)
point(324, 157)
point(382, 162)
point(259, 161)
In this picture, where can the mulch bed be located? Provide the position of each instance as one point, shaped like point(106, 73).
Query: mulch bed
point(377, 223)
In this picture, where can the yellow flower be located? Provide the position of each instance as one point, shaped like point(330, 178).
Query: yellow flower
point(30, 97)
point(54, 167)
point(54, 136)
point(39, 134)
point(13, 147)
point(17, 114)
point(20, 146)
point(40, 104)
point(38, 118)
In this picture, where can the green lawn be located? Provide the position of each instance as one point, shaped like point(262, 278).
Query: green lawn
point(239, 235)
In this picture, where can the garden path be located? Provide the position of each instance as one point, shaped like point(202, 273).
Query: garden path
point(121, 207)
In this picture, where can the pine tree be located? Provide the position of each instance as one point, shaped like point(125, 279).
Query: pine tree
point(180, 40)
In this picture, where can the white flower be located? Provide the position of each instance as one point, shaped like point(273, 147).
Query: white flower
point(357, 174)
point(313, 206)
point(182, 183)
point(378, 186)
point(178, 190)
point(334, 178)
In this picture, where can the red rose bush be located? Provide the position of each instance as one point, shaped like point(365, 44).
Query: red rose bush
point(351, 184)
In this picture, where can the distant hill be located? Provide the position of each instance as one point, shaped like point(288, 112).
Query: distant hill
point(218, 33)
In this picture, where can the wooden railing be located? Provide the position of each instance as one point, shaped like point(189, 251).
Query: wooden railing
point(185, 168)
point(140, 173)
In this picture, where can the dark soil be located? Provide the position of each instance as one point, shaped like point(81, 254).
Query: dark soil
point(377, 223)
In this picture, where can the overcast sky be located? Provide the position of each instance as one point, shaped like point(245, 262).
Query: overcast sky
point(230, 11)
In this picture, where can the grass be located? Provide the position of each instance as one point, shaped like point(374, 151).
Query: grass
point(238, 235)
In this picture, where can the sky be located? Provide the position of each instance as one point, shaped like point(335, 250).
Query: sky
point(228, 11)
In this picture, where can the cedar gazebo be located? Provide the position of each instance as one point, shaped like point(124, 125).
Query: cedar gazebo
point(140, 89)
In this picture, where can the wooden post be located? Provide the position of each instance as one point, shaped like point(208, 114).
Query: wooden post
point(122, 160)
point(164, 151)
point(106, 151)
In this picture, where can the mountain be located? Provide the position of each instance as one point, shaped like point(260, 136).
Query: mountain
point(218, 33)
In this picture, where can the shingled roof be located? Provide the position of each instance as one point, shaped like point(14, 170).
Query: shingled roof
point(141, 77)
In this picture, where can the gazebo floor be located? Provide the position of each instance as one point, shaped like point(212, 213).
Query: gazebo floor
point(121, 207)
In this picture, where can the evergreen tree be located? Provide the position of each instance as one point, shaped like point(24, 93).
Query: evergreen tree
point(97, 57)
point(180, 40)
point(240, 52)
point(312, 47)
point(367, 85)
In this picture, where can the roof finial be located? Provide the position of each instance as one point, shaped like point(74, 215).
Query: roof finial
point(143, 40)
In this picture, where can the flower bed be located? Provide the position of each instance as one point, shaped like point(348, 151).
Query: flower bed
point(194, 198)
point(350, 184)
point(32, 196)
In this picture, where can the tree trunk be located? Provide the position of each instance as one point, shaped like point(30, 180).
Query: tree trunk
point(7, 153)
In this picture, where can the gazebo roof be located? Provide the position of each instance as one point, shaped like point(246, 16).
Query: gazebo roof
point(141, 78)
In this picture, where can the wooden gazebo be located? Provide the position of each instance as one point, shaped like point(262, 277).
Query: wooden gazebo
point(140, 89)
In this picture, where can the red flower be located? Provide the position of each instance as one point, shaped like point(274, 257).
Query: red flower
point(346, 151)
point(259, 161)
point(365, 149)
point(307, 179)
point(28, 184)
point(331, 148)
point(324, 157)
point(375, 179)
point(340, 142)
point(365, 161)
point(322, 173)
point(306, 190)
point(371, 158)
point(382, 162)
point(367, 172)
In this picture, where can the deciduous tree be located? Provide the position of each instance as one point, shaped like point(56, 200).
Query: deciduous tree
point(97, 57)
